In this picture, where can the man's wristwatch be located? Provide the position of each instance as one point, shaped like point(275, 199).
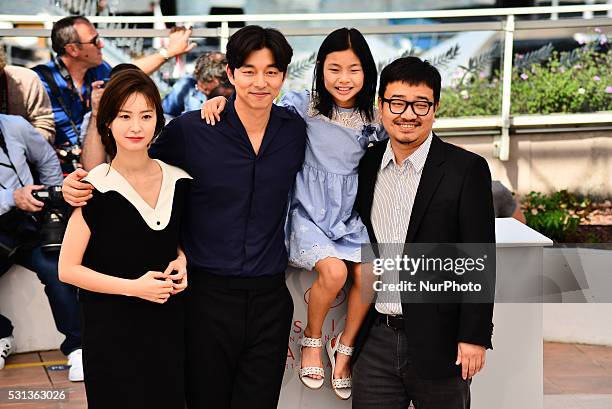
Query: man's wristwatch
point(164, 53)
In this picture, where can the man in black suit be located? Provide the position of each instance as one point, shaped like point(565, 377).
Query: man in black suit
point(415, 188)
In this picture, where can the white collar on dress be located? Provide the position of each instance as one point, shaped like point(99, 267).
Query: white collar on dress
point(105, 178)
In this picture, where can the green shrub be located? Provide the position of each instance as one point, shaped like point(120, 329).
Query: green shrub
point(479, 98)
point(554, 87)
point(566, 82)
point(555, 215)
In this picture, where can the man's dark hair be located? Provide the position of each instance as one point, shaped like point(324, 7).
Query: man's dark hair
point(254, 38)
point(340, 40)
point(64, 33)
point(412, 71)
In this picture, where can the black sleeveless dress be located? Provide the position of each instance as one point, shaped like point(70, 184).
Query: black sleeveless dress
point(133, 349)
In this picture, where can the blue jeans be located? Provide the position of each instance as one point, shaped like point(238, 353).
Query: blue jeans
point(384, 377)
point(62, 297)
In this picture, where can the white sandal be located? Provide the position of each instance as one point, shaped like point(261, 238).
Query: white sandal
point(304, 373)
point(342, 387)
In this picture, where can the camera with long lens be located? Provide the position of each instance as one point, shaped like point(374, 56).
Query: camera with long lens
point(53, 218)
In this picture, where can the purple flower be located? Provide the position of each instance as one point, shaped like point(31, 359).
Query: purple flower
point(597, 78)
point(524, 76)
point(603, 40)
point(578, 66)
point(609, 89)
point(597, 30)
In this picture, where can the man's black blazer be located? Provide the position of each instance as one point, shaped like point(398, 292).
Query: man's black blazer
point(453, 204)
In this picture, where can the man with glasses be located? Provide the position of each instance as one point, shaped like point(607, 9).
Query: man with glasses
point(415, 188)
point(79, 70)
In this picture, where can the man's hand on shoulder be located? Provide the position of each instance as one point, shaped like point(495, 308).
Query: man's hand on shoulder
point(76, 193)
point(24, 199)
point(471, 357)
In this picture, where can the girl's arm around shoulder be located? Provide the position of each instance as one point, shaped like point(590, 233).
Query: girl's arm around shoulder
point(297, 101)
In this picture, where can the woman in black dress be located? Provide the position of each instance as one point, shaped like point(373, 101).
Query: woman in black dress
point(122, 251)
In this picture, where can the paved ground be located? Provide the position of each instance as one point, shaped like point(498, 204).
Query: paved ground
point(575, 377)
point(34, 370)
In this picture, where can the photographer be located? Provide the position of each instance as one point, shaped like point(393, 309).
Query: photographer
point(22, 93)
point(190, 92)
point(78, 63)
point(29, 228)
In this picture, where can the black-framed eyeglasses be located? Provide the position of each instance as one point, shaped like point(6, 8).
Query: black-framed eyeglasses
point(399, 106)
point(94, 41)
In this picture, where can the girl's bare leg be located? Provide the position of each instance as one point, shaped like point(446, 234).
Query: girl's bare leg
point(359, 301)
point(332, 276)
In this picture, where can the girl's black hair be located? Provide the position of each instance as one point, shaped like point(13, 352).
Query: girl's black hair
point(340, 40)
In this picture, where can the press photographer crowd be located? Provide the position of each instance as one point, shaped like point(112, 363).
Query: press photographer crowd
point(47, 124)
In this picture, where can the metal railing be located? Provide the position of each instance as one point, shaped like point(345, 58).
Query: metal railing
point(504, 20)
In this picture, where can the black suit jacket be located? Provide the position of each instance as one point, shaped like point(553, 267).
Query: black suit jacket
point(453, 204)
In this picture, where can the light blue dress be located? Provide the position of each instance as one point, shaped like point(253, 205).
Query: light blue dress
point(321, 219)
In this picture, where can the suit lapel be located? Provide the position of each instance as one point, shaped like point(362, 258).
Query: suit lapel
point(430, 179)
point(368, 184)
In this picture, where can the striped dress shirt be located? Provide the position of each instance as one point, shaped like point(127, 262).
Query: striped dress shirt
point(394, 194)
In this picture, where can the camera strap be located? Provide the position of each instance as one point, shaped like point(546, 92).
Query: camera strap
point(85, 98)
point(3, 93)
point(45, 71)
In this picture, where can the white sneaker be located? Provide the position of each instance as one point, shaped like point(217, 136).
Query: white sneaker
point(6, 347)
point(75, 360)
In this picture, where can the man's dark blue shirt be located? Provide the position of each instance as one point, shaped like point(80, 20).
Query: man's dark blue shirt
point(235, 217)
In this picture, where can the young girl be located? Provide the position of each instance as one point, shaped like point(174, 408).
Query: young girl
point(121, 250)
point(325, 234)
